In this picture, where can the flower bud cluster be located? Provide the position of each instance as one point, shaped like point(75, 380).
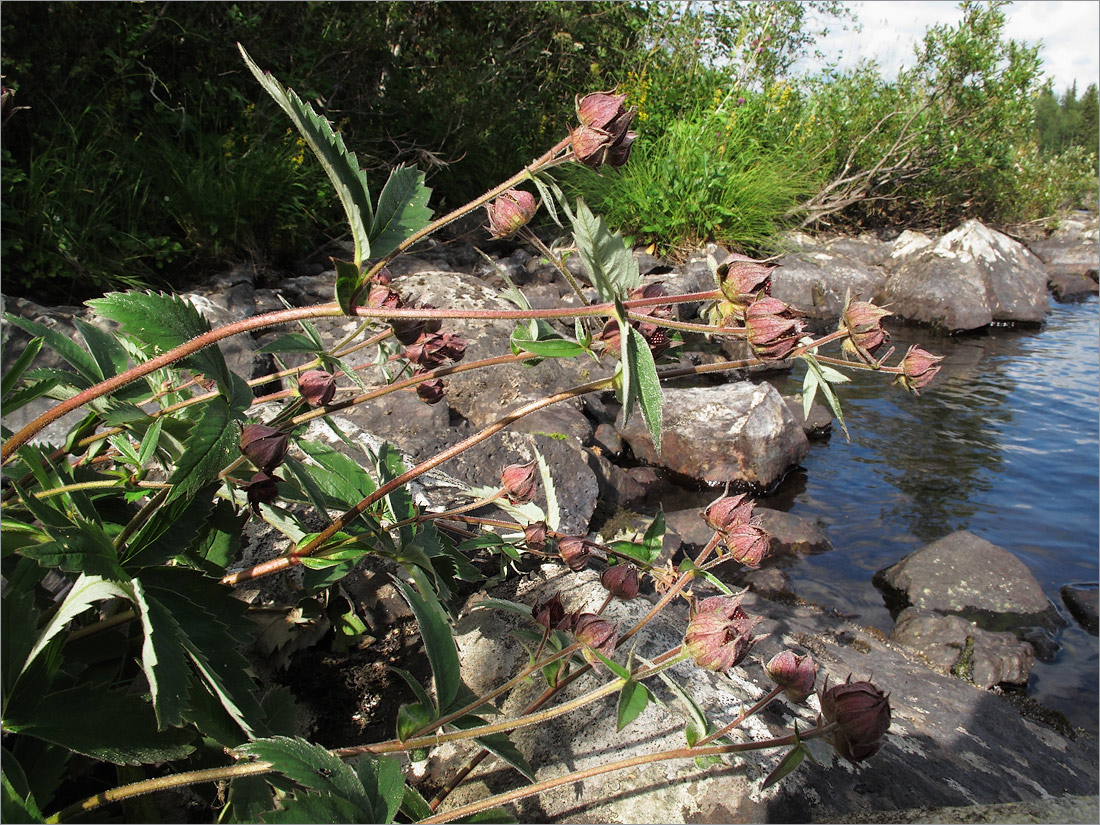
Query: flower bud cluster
point(604, 135)
point(265, 447)
point(773, 328)
point(731, 517)
point(918, 368)
point(719, 633)
point(863, 323)
point(426, 348)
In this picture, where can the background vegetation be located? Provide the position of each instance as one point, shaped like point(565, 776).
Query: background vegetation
point(144, 153)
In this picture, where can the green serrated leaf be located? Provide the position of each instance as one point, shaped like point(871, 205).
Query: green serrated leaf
point(339, 164)
point(545, 196)
point(76, 356)
point(24, 396)
point(17, 805)
point(402, 210)
point(86, 720)
point(611, 267)
point(439, 641)
point(81, 548)
point(383, 781)
point(162, 322)
point(12, 376)
point(207, 450)
point(162, 658)
point(644, 374)
point(292, 342)
point(105, 348)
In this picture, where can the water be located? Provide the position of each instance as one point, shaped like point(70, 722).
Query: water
point(1004, 443)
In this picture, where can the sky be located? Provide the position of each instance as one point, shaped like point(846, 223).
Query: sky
point(1069, 31)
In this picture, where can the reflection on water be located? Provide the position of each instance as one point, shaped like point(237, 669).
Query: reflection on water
point(1004, 443)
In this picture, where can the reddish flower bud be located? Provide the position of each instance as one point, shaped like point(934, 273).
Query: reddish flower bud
point(262, 489)
point(383, 276)
point(551, 614)
point(599, 109)
point(381, 296)
point(595, 633)
point(918, 368)
point(719, 633)
point(575, 551)
point(862, 714)
point(603, 136)
point(621, 580)
point(534, 534)
point(317, 387)
point(773, 328)
point(796, 674)
point(747, 543)
point(430, 392)
point(740, 275)
point(511, 210)
point(264, 446)
point(435, 349)
point(863, 321)
point(728, 512)
point(519, 482)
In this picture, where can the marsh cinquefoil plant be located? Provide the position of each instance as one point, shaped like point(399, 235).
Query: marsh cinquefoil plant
point(122, 641)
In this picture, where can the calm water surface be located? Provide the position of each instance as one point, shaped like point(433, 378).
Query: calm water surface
point(1004, 443)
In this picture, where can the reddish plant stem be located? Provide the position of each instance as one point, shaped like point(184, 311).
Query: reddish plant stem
point(344, 520)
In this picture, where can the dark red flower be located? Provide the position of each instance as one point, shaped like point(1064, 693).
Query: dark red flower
point(773, 328)
point(575, 551)
point(621, 580)
point(262, 489)
point(264, 446)
point(918, 368)
point(511, 210)
point(595, 633)
point(317, 387)
point(862, 714)
point(431, 391)
point(534, 534)
point(795, 673)
point(551, 614)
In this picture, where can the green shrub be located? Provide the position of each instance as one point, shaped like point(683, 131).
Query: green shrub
point(709, 177)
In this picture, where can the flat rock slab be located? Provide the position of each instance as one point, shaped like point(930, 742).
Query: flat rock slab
point(965, 574)
point(950, 743)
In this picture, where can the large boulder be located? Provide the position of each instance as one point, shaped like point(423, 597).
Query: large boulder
point(740, 432)
point(949, 743)
point(972, 277)
point(964, 574)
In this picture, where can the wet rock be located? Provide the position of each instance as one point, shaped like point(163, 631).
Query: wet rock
point(768, 583)
point(971, 277)
point(820, 421)
point(739, 432)
point(790, 534)
point(962, 649)
point(965, 574)
point(942, 727)
point(1083, 601)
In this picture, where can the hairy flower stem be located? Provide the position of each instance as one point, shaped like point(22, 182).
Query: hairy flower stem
point(674, 590)
point(763, 703)
point(556, 260)
point(285, 562)
point(286, 316)
point(622, 764)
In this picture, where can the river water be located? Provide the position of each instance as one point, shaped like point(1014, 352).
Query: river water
point(1003, 443)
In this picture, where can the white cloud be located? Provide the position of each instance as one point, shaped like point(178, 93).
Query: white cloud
point(1067, 32)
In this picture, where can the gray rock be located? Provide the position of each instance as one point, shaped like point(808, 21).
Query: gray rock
point(816, 282)
point(865, 249)
point(965, 574)
point(949, 744)
point(1083, 601)
point(740, 432)
point(959, 648)
point(970, 278)
point(790, 534)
